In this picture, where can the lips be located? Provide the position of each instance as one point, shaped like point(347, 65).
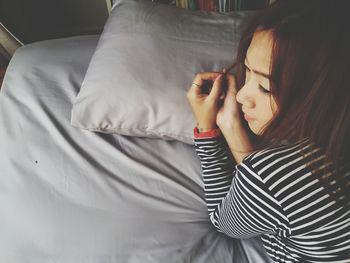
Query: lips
point(246, 116)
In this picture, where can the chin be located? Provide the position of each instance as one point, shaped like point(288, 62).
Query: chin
point(256, 130)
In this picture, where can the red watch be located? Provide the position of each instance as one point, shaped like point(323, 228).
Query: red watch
point(207, 134)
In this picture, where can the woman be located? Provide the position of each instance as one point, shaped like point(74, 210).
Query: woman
point(275, 155)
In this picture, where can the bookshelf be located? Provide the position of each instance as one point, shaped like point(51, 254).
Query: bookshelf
point(218, 5)
point(211, 5)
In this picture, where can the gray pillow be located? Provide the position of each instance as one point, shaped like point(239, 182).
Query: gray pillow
point(143, 66)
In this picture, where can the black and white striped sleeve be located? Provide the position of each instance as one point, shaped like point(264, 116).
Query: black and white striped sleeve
point(239, 204)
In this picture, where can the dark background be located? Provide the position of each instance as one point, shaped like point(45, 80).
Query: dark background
point(34, 20)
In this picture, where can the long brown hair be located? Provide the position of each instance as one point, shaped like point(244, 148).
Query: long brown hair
point(310, 76)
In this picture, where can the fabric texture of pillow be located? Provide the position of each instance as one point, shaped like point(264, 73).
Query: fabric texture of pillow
point(143, 66)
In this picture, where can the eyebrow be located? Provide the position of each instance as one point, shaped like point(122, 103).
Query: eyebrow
point(258, 72)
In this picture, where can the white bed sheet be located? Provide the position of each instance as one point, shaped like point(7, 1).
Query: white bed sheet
point(70, 195)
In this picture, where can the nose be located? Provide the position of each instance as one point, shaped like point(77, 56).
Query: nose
point(245, 97)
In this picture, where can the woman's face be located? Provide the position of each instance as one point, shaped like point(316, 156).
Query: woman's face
point(258, 104)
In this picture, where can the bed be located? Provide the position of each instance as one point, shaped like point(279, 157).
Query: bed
point(72, 195)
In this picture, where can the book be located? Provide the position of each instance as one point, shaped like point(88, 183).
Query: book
point(223, 5)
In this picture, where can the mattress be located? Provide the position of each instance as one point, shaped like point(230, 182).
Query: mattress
point(70, 195)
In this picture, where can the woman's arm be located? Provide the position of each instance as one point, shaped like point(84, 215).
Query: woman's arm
point(238, 202)
point(218, 168)
point(229, 121)
point(238, 140)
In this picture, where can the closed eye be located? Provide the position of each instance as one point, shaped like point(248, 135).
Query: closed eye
point(262, 89)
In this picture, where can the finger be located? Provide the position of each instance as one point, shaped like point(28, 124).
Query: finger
point(202, 83)
point(231, 90)
point(194, 92)
point(201, 76)
point(223, 82)
point(216, 90)
point(231, 83)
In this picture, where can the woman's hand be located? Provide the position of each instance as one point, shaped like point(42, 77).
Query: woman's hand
point(205, 106)
point(229, 114)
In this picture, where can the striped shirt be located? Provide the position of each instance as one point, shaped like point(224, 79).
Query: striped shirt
point(272, 194)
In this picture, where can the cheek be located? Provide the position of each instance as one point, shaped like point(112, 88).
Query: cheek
point(268, 111)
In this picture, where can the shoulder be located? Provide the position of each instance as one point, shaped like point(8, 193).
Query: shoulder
point(280, 159)
point(280, 148)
